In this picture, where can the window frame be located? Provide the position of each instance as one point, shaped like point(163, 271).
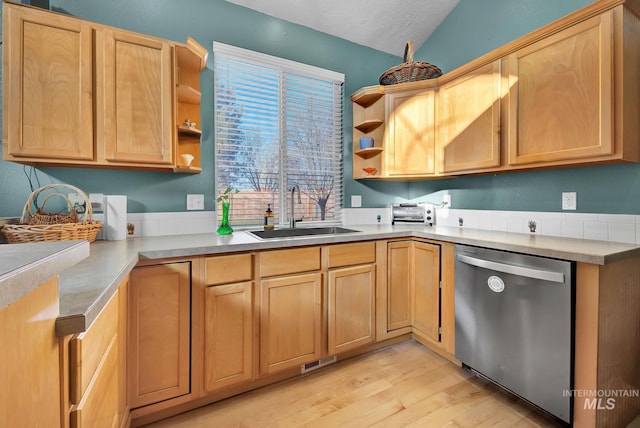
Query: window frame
point(287, 68)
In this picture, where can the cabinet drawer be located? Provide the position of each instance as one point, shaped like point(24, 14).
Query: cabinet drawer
point(282, 262)
point(88, 349)
point(228, 269)
point(351, 254)
point(97, 406)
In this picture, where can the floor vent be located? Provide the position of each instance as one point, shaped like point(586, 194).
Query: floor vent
point(314, 365)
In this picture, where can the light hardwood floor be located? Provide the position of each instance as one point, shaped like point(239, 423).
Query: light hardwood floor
point(404, 385)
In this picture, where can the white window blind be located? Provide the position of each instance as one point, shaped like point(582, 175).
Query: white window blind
point(278, 123)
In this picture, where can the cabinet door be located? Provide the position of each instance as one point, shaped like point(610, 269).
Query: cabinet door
point(135, 75)
point(351, 308)
point(290, 321)
point(159, 330)
point(469, 120)
point(561, 96)
point(47, 86)
point(410, 145)
point(30, 360)
point(426, 290)
point(400, 267)
point(228, 335)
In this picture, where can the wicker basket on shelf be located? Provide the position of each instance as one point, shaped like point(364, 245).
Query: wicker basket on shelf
point(36, 225)
point(409, 70)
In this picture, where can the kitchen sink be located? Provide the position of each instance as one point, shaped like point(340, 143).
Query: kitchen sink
point(299, 232)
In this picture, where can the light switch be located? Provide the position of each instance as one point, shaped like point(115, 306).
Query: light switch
point(97, 201)
point(195, 202)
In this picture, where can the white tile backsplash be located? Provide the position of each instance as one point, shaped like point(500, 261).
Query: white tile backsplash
point(170, 223)
point(573, 228)
point(622, 232)
point(596, 230)
point(603, 227)
point(366, 215)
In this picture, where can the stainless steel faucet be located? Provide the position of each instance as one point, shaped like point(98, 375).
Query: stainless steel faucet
point(292, 219)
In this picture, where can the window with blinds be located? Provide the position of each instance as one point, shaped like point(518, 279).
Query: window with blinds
point(278, 124)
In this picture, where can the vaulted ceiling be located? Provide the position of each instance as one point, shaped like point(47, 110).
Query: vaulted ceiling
point(384, 25)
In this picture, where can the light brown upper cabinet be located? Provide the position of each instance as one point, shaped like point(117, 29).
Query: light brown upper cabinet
point(468, 120)
point(566, 94)
point(134, 98)
point(78, 93)
point(561, 95)
point(47, 86)
point(410, 144)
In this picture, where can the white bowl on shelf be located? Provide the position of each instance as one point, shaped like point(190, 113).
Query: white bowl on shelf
point(187, 159)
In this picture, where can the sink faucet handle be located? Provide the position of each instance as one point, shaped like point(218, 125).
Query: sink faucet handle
point(292, 219)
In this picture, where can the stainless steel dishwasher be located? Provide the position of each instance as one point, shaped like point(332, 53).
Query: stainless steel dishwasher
point(513, 317)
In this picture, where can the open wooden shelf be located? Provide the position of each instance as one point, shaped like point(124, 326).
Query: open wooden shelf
point(187, 94)
point(368, 153)
point(187, 169)
point(369, 125)
point(185, 130)
point(190, 60)
point(367, 96)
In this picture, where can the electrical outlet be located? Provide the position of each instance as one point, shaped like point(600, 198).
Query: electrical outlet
point(569, 200)
point(77, 202)
point(356, 201)
point(446, 200)
point(195, 202)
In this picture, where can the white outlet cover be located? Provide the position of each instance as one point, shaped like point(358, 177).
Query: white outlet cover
point(569, 200)
point(195, 202)
point(356, 201)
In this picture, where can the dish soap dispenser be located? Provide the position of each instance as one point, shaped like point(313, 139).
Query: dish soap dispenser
point(268, 218)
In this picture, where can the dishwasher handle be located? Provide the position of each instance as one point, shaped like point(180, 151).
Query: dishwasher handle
point(545, 275)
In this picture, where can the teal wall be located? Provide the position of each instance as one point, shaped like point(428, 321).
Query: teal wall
point(205, 21)
point(473, 28)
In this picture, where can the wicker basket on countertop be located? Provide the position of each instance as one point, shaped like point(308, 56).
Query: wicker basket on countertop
point(36, 225)
point(409, 70)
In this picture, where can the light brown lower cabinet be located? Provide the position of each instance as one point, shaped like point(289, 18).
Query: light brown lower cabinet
point(351, 308)
point(95, 384)
point(426, 290)
point(29, 360)
point(228, 335)
point(290, 321)
point(398, 292)
point(298, 305)
point(418, 295)
point(159, 333)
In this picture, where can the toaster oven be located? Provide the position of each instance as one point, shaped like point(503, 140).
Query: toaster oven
point(413, 213)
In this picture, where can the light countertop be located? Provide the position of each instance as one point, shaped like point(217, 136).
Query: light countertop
point(87, 286)
point(23, 267)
